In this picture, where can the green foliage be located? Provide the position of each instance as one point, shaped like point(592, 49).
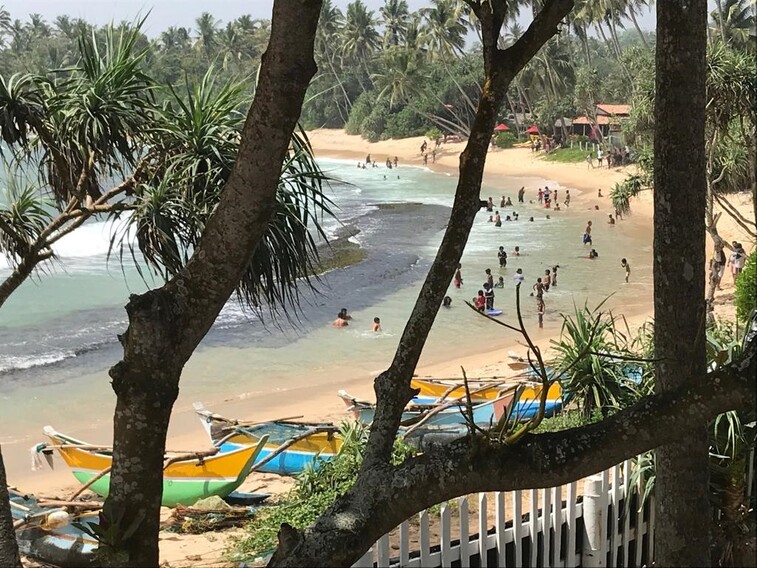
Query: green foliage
point(504, 140)
point(374, 124)
point(316, 488)
point(621, 193)
point(433, 133)
point(407, 122)
point(24, 213)
point(566, 420)
point(745, 296)
point(361, 109)
point(566, 155)
point(587, 364)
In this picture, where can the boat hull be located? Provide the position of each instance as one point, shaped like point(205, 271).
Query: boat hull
point(184, 482)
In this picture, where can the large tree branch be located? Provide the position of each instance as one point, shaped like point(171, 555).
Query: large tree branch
point(393, 386)
point(471, 465)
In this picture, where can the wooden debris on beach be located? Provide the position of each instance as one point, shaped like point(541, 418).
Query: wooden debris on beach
point(188, 520)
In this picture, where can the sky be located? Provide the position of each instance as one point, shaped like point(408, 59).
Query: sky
point(165, 13)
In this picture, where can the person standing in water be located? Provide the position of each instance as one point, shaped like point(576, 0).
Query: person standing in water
point(489, 277)
point(458, 276)
point(554, 276)
point(540, 311)
point(489, 296)
point(587, 234)
point(479, 301)
point(547, 280)
point(627, 267)
point(376, 324)
point(502, 257)
point(521, 193)
point(340, 321)
point(567, 198)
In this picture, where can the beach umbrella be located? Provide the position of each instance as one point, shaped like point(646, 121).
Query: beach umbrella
point(501, 128)
point(533, 129)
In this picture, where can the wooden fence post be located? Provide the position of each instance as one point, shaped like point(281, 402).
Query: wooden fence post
point(594, 514)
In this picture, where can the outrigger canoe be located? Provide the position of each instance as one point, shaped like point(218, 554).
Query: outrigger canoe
point(47, 533)
point(433, 392)
point(484, 414)
point(316, 441)
point(184, 481)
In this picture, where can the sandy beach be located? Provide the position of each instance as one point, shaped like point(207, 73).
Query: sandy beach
point(316, 400)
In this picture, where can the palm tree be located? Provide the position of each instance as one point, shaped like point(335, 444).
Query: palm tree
point(734, 22)
point(359, 35)
point(38, 27)
point(444, 29)
point(394, 16)
point(400, 76)
point(631, 8)
point(207, 28)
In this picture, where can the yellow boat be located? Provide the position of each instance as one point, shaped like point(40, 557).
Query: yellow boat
point(433, 391)
point(184, 481)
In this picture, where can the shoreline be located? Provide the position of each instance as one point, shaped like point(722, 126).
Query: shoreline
point(313, 397)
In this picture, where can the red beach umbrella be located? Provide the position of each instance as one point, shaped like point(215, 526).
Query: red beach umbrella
point(533, 129)
point(501, 128)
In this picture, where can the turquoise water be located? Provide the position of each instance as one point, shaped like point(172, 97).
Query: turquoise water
point(58, 332)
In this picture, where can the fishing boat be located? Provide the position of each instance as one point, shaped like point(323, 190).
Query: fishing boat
point(299, 444)
point(48, 533)
point(187, 477)
point(449, 413)
point(433, 392)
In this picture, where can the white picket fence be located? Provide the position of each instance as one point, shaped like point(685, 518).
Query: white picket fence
point(585, 523)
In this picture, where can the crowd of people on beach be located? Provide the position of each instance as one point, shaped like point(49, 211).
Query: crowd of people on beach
point(614, 157)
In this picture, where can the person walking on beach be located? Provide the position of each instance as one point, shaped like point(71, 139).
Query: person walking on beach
point(425, 158)
point(599, 157)
point(627, 267)
point(458, 276)
point(736, 260)
point(376, 324)
point(521, 193)
point(567, 198)
point(587, 234)
point(502, 257)
point(611, 220)
point(589, 161)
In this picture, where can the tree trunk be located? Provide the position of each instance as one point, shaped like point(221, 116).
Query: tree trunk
point(638, 29)
point(8, 548)
point(683, 516)
point(167, 324)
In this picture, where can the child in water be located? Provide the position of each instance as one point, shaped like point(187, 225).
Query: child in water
point(479, 301)
point(627, 266)
point(458, 276)
point(376, 324)
point(500, 283)
point(447, 302)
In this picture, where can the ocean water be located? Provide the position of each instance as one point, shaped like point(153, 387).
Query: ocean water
point(58, 331)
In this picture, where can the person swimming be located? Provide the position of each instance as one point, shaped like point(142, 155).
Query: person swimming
point(447, 302)
point(340, 321)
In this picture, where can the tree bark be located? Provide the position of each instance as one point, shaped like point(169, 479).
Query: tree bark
point(8, 547)
point(167, 324)
point(682, 485)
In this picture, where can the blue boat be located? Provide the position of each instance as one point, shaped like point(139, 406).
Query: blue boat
point(484, 413)
point(305, 444)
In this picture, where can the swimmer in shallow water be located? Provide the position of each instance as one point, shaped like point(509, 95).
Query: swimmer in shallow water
point(376, 324)
point(447, 302)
